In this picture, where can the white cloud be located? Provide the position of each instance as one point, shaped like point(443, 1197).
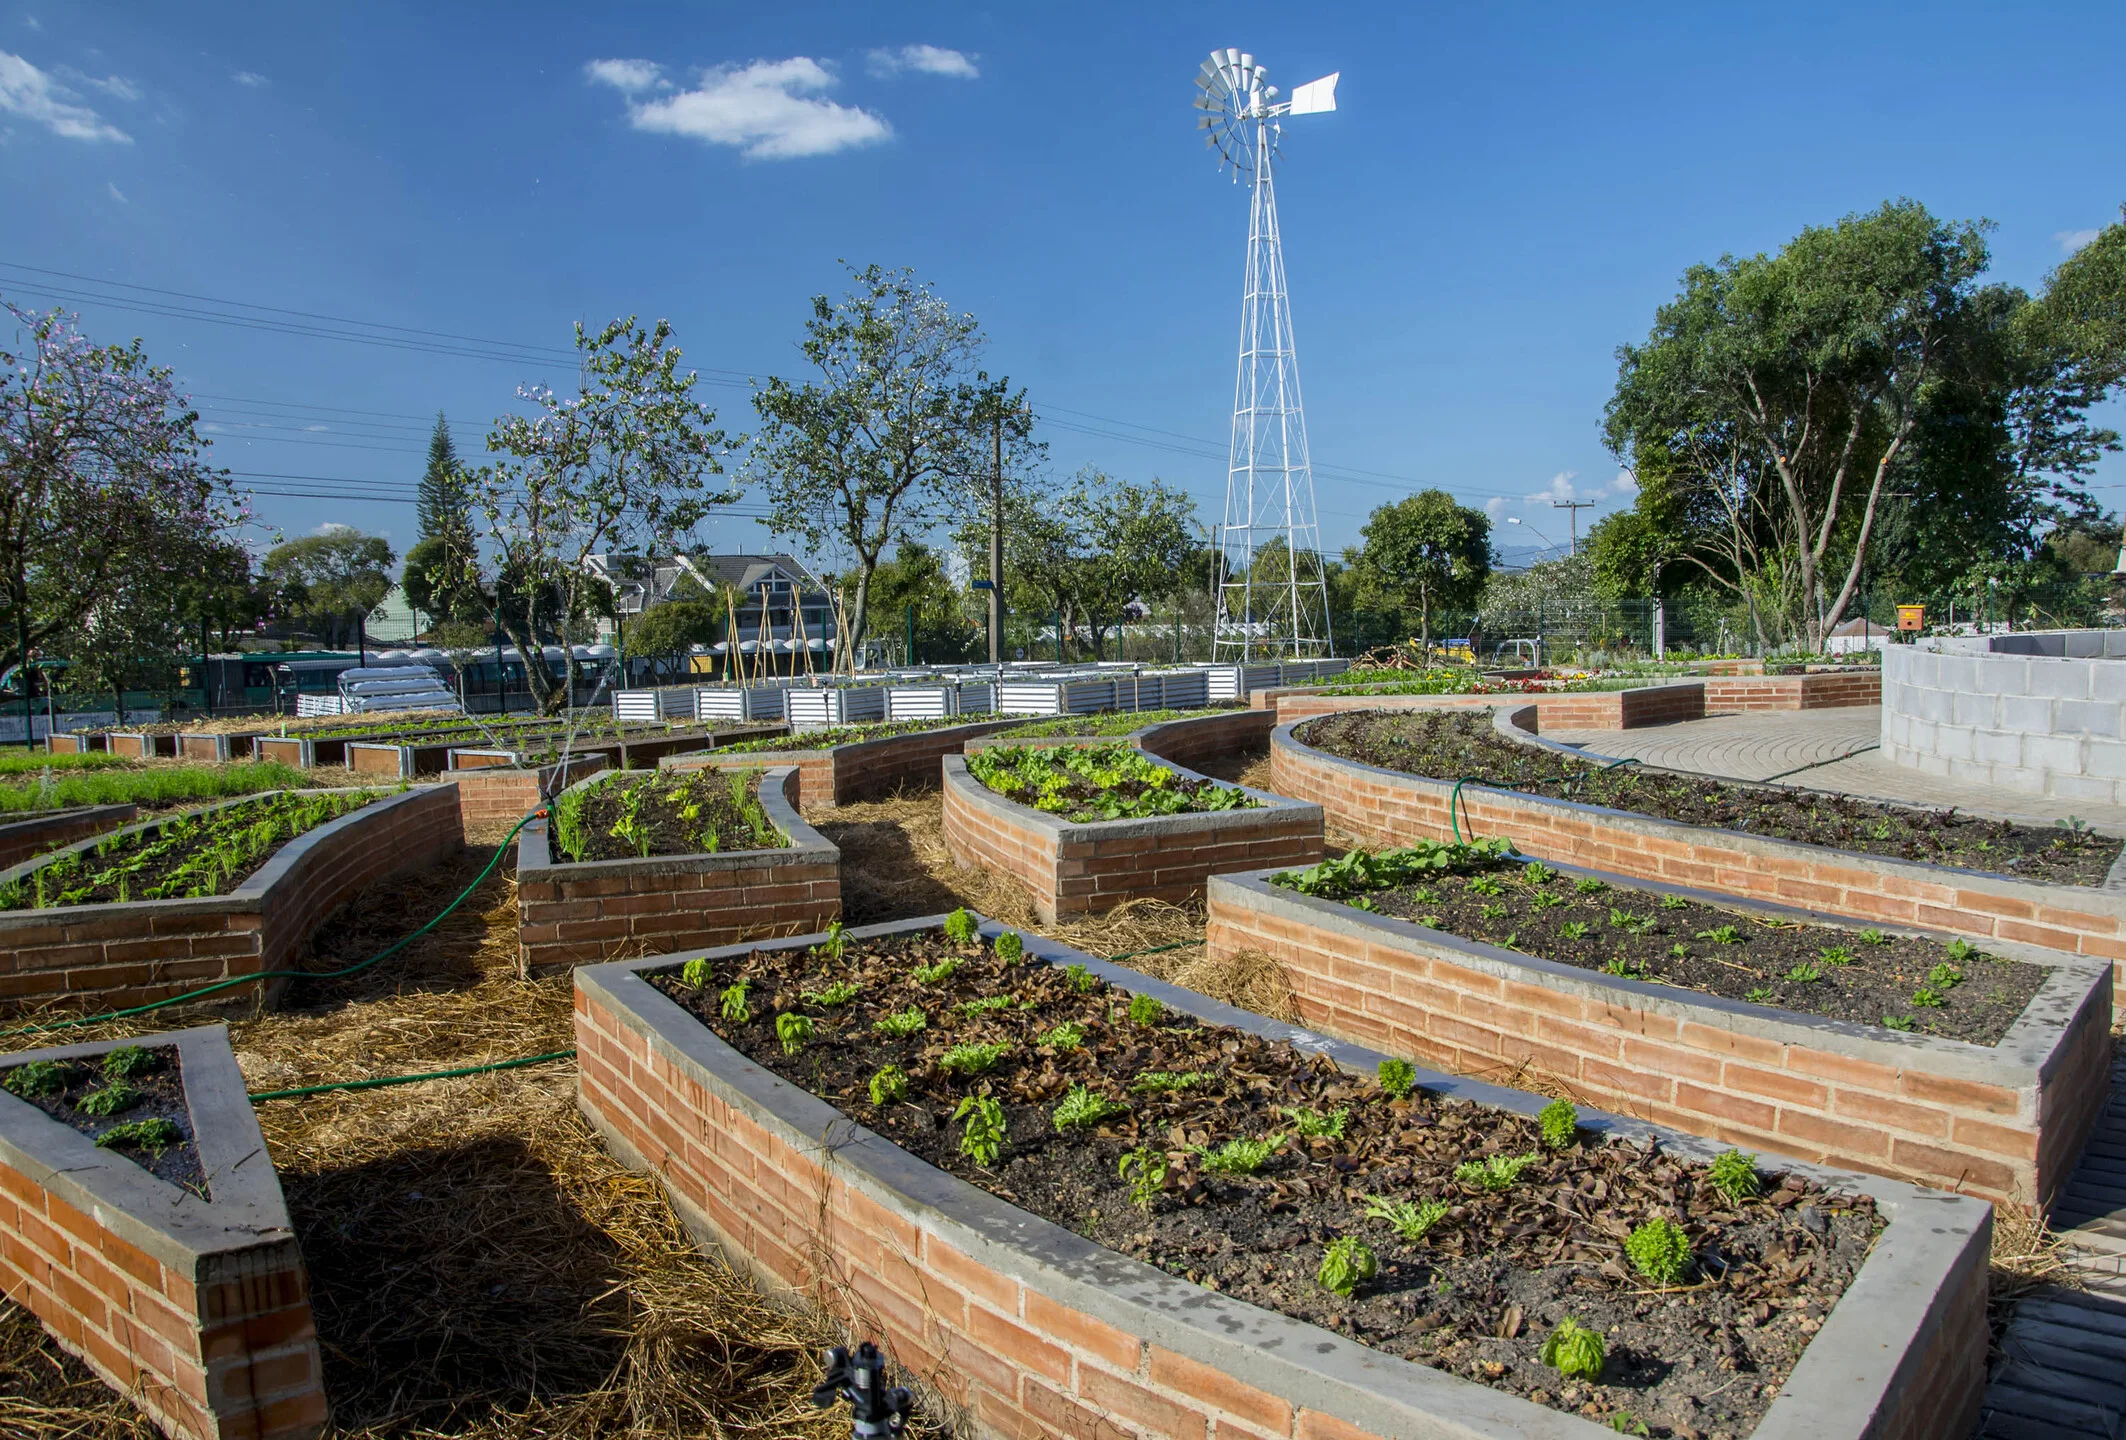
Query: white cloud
point(1626, 483)
point(33, 22)
point(768, 110)
point(115, 86)
point(630, 77)
point(116, 193)
point(29, 92)
point(926, 60)
point(1494, 506)
point(334, 527)
point(1559, 488)
point(2073, 240)
point(251, 79)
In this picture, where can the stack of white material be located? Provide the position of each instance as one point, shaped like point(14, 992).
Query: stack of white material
point(395, 687)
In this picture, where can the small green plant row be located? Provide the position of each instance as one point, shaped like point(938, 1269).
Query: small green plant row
point(685, 794)
point(36, 1079)
point(213, 849)
point(1098, 782)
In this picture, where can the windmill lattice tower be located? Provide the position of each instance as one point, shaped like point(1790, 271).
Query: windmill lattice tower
point(1273, 596)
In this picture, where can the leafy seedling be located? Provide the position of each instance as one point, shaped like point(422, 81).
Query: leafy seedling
point(1535, 872)
point(695, 973)
point(1805, 973)
point(836, 942)
point(1679, 951)
point(1495, 1172)
point(1835, 955)
point(1010, 947)
point(1629, 923)
point(1874, 937)
point(39, 1077)
point(1925, 998)
point(1145, 1010)
point(1962, 950)
point(129, 1060)
point(1314, 1123)
point(1161, 1082)
point(901, 1022)
point(983, 1139)
point(793, 1031)
point(1067, 1036)
point(935, 974)
point(1897, 1022)
point(1760, 995)
point(1944, 978)
point(1573, 1349)
point(1486, 885)
point(1346, 1265)
point(111, 1099)
point(1626, 1423)
point(1411, 1221)
point(973, 1059)
point(1673, 902)
point(1560, 1122)
point(1660, 1251)
point(1397, 1077)
point(1144, 1169)
point(1574, 929)
point(961, 927)
point(1546, 900)
point(1588, 885)
point(1081, 1107)
point(734, 1006)
point(889, 1084)
point(983, 1006)
point(1081, 979)
point(841, 992)
point(153, 1135)
point(1239, 1156)
point(1722, 935)
point(1734, 1174)
point(1493, 912)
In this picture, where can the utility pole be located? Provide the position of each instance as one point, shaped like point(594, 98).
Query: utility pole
point(1575, 506)
point(996, 540)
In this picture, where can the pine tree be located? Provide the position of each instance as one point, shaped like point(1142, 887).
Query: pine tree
point(440, 506)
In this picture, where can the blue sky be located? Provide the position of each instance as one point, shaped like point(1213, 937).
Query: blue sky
point(1504, 195)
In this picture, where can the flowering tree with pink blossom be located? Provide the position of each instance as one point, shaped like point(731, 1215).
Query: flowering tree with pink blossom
point(105, 492)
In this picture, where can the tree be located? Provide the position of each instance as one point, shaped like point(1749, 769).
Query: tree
point(2083, 313)
point(893, 438)
point(665, 635)
point(102, 469)
point(1422, 553)
point(441, 508)
point(623, 466)
point(1133, 543)
point(1809, 369)
point(915, 578)
point(332, 578)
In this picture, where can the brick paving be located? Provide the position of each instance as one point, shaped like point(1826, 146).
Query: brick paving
point(1768, 745)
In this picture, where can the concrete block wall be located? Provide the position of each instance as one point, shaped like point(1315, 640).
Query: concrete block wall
point(117, 955)
point(1088, 869)
point(2007, 1122)
point(1040, 1334)
point(2044, 713)
point(575, 913)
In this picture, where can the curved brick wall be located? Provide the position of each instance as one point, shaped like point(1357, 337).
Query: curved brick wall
point(1040, 1333)
point(121, 955)
point(862, 770)
point(1187, 743)
point(2006, 1121)
point(21, 839)
point(578, 912)
point(1387, 807)
point(1088, 869)
point(2043, 713)
point(1593, 710)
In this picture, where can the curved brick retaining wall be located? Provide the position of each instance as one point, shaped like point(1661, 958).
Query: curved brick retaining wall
point(2006, 1121)
point(21, 839)
point(1388, 807)
point(1590, 710)
point(576, 912)
point(1187, 743)
point(121, 955)
point(861, 770)
point(197, 1309)
point(1039, 1332)
point(1073, 869)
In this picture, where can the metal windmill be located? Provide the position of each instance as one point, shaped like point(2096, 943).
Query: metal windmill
point(1273, 598)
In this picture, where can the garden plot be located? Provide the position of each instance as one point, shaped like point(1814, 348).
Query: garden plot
point(1282, 1220)
point(146, 1229)
point(632, 863)
point(1914, 1055)
point(840, 764)
point(1088, 829)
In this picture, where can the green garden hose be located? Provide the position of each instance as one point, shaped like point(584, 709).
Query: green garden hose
point(353, 969)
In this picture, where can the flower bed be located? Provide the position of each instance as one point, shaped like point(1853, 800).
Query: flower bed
point(122, 953)
point(1228, 1313)
point(836, 771)
point(1081, 867)
point(1905, 1053)
point(159, 1254)
point(205, 852)
point(572, 912)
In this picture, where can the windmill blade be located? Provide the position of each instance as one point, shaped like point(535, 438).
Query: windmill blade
point(1316, 97)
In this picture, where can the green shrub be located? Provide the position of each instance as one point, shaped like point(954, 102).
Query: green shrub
point(39, 1077)
point(1145, 1010)
point(1660, 1250)
point(111, 1099)
point(153, 1135)
point(1560, 1122)
point(961, 927)
point(1734, 1174)
point(983, 1139)
point(1495, 1172)
point(1410, 1221)
point(1081, 1107)
point(1397, 1077)
point(1144, 1168)
point(1346, 1265)
point(1314, 1123)
point(1573, 1349)
point(1081, 979)
point(793, 1030)
point(733, 1004)
point(973, 1059)
point(888, 1084)
point(129, 1060)
point(1239, 1156)
point(901, 1022)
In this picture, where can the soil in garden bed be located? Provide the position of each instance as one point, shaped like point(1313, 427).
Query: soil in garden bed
point(829, 736)
point(1444, 745)
point(1116, 722)
point(668, 812)
point(210, 852)
point(1477, 1294)
point(1956, 990)
point(1098, 782)
point(154, 1092)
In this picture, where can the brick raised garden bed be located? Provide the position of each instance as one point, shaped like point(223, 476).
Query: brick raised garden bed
point(1080, 869)
point(1187, 742)
point(1589, 710)
point(20, 839)
point(861, 769)
point(503, 797)
point(123, 954)
point(2006, 1121)
point(197, 1308)
point(1389, 807)
point(579, 912)
point(1817, 690)
point(1039, 1331)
